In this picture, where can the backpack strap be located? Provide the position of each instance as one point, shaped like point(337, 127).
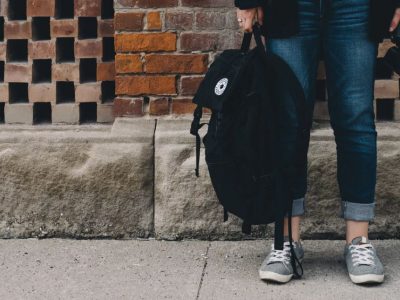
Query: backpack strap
point(279, 212)
point(194, 130)
point(226, 216)
point(294, 260)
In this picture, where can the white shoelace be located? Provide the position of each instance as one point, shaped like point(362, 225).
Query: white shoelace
point(282, 256)
point(362, 254)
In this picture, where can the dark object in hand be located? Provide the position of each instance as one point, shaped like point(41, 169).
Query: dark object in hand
point(392, 57)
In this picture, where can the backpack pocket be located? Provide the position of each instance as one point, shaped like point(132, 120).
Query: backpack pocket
point(220, 80)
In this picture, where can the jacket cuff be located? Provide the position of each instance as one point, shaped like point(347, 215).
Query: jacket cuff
point(246, 4)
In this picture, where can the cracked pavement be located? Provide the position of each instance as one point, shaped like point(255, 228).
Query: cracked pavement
point(151, 269)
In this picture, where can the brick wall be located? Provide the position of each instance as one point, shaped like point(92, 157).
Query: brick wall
point(56, 61)
point(163, 49)
point(164, 46)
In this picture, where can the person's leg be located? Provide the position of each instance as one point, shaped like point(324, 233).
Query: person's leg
point(301, 53)
point(350, 66)
point(350, 59)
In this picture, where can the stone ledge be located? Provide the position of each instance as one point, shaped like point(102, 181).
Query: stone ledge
point(77, 181)
point(136, 179)
point(186, 206)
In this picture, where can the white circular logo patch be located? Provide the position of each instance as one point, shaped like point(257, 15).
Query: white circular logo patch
point(221, 86)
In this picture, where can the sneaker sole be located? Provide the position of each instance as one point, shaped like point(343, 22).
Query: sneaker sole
point(368, 278)
point(271, 276)
point(275, 277)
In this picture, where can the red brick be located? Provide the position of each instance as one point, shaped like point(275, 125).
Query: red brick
point(43, 92)
point(154, 20)
point(3, 92)
point(128, 63)
point(42, 49)
point(208, 3)
point(3, 8)
point(88, 92)
point(139, 85)
point(17, 30)
point(147, 42)
point(147, 3)
point(87, 8)
point(176, 63)
point(18, 72)
point(65, 72)
point(106, 71)
point(15, 72)
point(88, 48)
point(159, 106)
point(182, 106)
point(189, 85)
point(130, 21)
point(198, 41)
point(3, 51)
point(106, 28)
point(209, 20)
point(40, 8)
point(64, 28)
point(179, 20)
point(230, 40)
point(128, 107)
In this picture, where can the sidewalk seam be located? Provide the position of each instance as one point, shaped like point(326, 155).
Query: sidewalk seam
point(154, 177)
point(203, 272)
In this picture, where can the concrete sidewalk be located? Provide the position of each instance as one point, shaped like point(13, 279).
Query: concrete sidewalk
point(149, 269)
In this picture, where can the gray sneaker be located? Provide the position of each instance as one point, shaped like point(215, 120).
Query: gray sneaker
point(276, 266)
point(362, 262)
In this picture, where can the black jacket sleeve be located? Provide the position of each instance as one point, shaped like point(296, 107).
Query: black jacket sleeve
point(245, 4)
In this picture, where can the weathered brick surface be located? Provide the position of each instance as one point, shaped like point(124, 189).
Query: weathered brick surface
point(88, 48)
point(106, 28)
point(146, 42)
point(106, 71)
point(51, 53)
point(159, 106)
point(189, 85)
point(36, 8)
point(128, 63)
point(18, 72)
point(64, 28)
point(87, 8)
point(165, 46)
point(128, 106)
point(180, 38)
point(65, 72)
point(182, 106)
point(17, 30)
point(42, 49)
point(184, 64)
point(44, 92)
point(154, 20)
point(143, 85)
point(88, 92)
point(131, 21)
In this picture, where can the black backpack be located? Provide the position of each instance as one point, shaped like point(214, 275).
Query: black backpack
point(256, 142)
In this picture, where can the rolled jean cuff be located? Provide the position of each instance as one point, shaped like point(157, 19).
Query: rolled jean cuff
point(358, 211)
point(298, 207)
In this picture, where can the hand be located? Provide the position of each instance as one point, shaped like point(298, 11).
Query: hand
point(395, 20)
point(246, 17)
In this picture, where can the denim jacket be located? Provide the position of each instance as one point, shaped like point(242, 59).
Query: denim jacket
point(281, 16)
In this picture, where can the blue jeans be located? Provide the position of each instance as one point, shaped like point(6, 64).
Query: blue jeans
point(338, 29)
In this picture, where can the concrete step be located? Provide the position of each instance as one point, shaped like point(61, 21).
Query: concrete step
point(136, 179)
